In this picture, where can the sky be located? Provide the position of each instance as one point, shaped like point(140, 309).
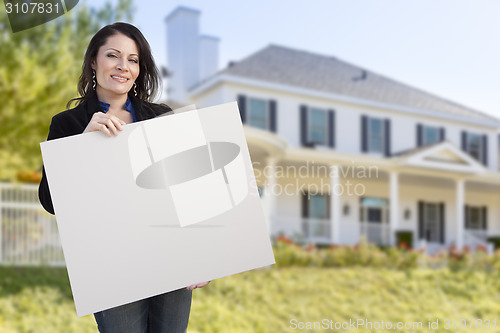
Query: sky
point(450, 48)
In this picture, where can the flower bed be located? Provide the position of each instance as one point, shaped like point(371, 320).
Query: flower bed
point(288, 253)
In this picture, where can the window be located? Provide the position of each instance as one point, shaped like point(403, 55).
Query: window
point(318, 126)
point(430, 135)
point(257, 113)
point(475, 217)
point(476, 145)
point(318, 207)
point(375, 135)
point(473, 145)
point(475, 220)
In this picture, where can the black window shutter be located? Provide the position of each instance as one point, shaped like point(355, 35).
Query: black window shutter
point(303, 125)
point(466, 216)
point(441, 222)
point(242, 105)
point(485, 150)
point(331, 128)
point(464, 140)
point(484, 213)
point(442, 134)
point(272, 115)
point(420, 130)
point(387, 137)
point(327, 205)
point(364, 134)
point(421, 220)
point(305, 205)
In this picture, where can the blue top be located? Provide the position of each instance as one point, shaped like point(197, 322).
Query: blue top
point(128, 106)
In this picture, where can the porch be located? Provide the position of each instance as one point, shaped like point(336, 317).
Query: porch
point(442, 197)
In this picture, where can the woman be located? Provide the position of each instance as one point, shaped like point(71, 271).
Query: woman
point(118, 82)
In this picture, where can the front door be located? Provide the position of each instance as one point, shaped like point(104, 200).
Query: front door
point(374, 220)
point(431, 222)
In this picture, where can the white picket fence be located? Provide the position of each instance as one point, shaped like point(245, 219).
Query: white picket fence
point(28, 234)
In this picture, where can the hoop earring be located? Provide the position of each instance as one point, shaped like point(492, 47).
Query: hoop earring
point(135, 91)
point(93, 80)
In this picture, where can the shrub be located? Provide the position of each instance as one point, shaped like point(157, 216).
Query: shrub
point(288, 253)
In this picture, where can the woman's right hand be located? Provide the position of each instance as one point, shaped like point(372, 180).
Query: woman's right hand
point(105, 123)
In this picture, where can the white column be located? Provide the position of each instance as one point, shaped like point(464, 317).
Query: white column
point(335, 192)
point(394, 206)
point(269, 196)
point(459, 207)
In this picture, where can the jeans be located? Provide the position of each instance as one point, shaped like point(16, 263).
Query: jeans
point(163, 313)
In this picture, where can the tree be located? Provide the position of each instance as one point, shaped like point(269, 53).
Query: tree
point(39, 70)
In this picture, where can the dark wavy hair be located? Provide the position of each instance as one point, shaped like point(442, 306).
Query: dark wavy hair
point(148, 80)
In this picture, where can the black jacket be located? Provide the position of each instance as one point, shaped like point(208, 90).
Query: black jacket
point(74, 121)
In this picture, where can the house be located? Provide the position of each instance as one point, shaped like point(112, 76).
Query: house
point(340, 152)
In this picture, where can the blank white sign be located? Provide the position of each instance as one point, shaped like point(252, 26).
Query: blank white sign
point(137, 219)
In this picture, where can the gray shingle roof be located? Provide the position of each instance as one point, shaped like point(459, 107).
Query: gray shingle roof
point(288, 66)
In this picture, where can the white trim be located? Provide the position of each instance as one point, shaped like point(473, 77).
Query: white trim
point(220, 78)
point(393, 206)
point(335, 217)
point(271, 141)
point(418, 159)
point(459, 213)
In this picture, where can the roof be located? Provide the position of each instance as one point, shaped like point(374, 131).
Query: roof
point(304, 69)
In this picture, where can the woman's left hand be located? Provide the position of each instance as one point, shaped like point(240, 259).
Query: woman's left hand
point(198, 285)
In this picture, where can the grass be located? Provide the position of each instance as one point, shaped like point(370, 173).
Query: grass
point(39, 299)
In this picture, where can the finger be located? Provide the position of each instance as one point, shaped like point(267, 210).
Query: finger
point(198, 285)
point(111, 126)
point(117, 122)
point(104, 129)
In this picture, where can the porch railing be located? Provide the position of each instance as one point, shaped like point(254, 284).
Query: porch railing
point(475, 238)
point(28, 234)
point(309, 229)
point(377, 233)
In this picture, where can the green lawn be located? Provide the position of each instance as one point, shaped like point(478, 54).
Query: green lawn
point(272, 300)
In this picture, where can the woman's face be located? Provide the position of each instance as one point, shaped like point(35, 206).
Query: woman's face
point(116, 67)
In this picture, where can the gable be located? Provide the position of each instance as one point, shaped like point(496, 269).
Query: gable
point(442, 156)
point(446, 156)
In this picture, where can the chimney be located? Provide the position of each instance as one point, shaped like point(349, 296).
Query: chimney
point(209, 60)
point(191, 57)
